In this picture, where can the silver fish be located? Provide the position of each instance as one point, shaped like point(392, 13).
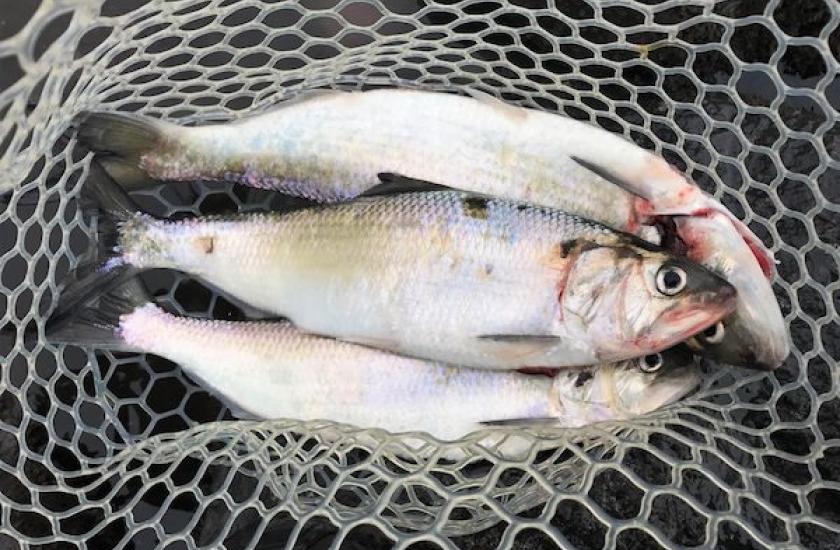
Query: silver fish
point(445, 276)
point(333, 146)
point(274, 370)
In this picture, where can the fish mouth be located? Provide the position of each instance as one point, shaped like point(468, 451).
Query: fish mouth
point(745, 347)
point(668, 389)
point(681, 322)
point(755, 335)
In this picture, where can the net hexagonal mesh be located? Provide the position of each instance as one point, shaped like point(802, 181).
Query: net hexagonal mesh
point(108, 450)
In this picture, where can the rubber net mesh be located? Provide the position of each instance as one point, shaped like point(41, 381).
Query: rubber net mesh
point(101, 450)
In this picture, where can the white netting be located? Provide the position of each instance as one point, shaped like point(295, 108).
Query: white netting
point(116, 450)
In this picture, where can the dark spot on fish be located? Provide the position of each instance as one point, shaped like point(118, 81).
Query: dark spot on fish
point(574, 246)
point(206, 244)
point(521, 207)
point(488, 269)
point(624, 252)
point(475, 207)
point(583, 378)
point(565, 248)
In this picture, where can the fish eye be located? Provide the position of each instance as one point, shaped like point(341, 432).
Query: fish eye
point(671, 280)
point(714, 334)
point(651, 363)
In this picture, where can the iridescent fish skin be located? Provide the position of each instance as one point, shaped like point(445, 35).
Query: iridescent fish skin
point(274, 370)
point(333, 146)
point(446, 276)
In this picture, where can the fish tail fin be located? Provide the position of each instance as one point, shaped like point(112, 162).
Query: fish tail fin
point(101, 194)
point(88, 282)
point(119, 222)
point(90, 315)
point(123, 139)
point(126, 173)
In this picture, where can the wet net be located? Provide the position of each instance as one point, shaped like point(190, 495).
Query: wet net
point(108, 450)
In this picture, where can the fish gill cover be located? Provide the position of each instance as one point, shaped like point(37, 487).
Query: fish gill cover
point(104, 450)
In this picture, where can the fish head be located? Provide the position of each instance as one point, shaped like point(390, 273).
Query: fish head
point(755, 335)
point(623, 390)
point(631, 300)
point(648, 383)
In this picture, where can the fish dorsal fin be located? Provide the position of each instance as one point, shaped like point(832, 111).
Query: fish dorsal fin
point(393, 184)
point(512, 112)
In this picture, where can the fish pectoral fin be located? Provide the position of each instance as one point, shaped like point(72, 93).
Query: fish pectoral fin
point(608, 176)
point(393, 184)
point(512, 347)
point(537, 421)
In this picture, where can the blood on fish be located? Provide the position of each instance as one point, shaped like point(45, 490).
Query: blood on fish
point(688, 193)
point(761, 257)
point(763, 261)
point(640, 214)
point(685, 193)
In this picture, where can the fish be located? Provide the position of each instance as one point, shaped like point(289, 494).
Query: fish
point(756, 334)
point(445, 276)
point(272, 370)
point(330, 146)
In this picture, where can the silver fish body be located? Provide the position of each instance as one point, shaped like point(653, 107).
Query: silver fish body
point(333, 146)
point(446, 276)
point(274, 370)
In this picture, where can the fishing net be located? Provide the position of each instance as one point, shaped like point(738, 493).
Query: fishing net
point(109, 450)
